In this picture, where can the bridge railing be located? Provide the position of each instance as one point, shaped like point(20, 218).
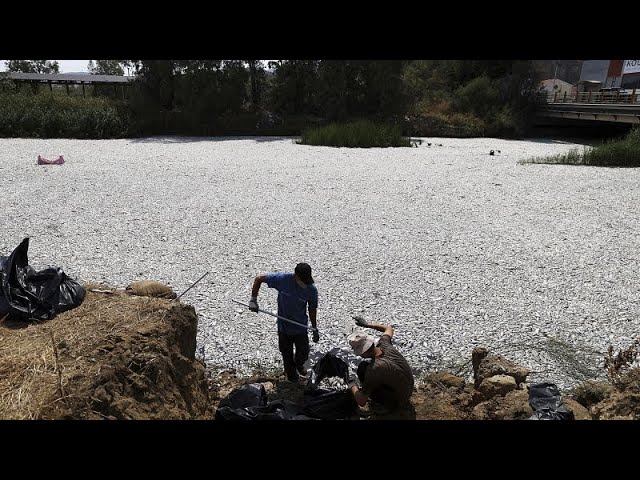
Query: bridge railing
point(627, 97)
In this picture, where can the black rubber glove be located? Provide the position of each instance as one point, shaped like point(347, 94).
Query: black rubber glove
point(360, 321)
point(316, 335)
point(253, 305)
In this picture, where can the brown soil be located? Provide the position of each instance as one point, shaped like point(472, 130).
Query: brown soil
point(119, 356)
point(116, 356)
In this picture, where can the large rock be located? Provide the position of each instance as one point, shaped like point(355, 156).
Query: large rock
point(486, 365)
point(497, 385)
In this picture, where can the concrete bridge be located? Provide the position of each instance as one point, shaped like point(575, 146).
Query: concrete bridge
point(591, 106)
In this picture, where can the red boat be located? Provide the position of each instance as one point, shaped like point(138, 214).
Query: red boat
point(44, 161)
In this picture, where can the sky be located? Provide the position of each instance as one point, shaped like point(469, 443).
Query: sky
point(66, 66)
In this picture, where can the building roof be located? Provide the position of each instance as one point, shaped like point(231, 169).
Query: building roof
point(69, 77)
point(556, 81)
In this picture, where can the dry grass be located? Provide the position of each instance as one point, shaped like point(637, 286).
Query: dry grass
point(38, 360)
point(617, 365)
point(441, 107)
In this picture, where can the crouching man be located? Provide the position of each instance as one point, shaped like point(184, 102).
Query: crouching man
point(386, 379)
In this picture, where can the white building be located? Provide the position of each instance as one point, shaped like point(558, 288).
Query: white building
point(554, 85)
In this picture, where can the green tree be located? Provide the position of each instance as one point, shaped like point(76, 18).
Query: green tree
point(356, 88)
point(198, 97)
point(257, 76)
point(106, 67)
point(207, 88)
point(156, 79)
point(382, 88)
point(5, 81)
point(480, 96)
point(497, 93)
point(295, 86)
point(234, 85)
point(425, 80)
point(335, 78)
point(33, 66)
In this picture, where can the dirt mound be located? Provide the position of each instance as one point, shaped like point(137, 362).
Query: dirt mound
point(116, 356)
point(621, 401)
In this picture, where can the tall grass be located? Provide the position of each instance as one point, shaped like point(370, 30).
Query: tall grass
point(358, 134)
point(614, 153)
point(56, 115)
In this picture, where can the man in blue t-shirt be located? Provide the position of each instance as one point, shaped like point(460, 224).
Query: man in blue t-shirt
point(295, 291)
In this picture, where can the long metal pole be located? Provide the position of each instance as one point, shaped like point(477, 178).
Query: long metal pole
point(274, 315)
point(192, 285)
point(287, 320)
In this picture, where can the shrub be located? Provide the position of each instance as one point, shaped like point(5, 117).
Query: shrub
point(614, 153)
point(51, 115)
point(479, 96)
point(358, 134)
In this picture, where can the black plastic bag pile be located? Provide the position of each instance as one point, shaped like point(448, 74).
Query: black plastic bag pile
point(30, 295)
point(547, 403)
point(249, 402)
point(324, 403)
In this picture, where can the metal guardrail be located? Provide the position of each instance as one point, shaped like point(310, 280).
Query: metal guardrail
point(632, 97)
point(600, 106)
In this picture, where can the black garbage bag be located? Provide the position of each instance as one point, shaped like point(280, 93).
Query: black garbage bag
point(328, 366)
point(250, 395)
point(27, 294)
point(276, 410)
point(249, 402)
point(547, 403)
point(329, 404)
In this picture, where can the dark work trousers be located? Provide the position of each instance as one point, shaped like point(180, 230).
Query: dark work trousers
point(291, 361)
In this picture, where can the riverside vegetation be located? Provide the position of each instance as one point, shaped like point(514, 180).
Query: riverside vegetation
point(622, 152)
point(359, 134)
point(451, 98)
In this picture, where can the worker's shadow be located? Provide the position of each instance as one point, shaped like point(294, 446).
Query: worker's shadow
point(14, 323)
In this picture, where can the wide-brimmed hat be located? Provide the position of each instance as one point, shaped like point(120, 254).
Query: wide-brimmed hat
point(360, 342)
